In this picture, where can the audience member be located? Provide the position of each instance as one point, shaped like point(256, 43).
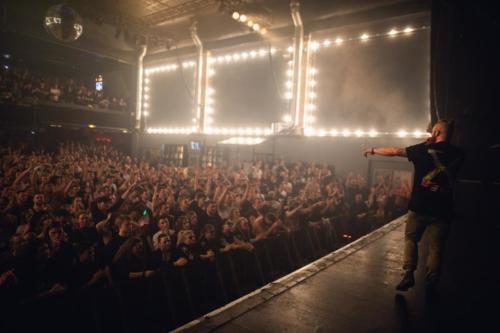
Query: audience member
point(87, 215)
point(25, 87)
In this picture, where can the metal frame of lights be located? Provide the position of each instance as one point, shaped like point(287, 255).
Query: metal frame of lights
point(308, 90)
point(289, 84)
point(228, 58)
point(157, 69)
point(243, 141)
point(244, 19)
point(311, 83)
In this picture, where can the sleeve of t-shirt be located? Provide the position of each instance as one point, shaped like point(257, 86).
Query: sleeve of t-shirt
point(415, 152)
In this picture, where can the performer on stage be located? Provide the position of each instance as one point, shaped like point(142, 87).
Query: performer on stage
point(436, 164)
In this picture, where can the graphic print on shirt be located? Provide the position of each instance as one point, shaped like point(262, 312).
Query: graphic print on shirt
point(429, 180)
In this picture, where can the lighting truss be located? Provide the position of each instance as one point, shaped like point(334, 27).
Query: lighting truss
point(310, 130)
point(248, 141)
point(226, 59)
point(312, 82)
point(146, 81)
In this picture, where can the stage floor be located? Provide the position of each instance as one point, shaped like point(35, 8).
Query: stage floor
point(352, 290)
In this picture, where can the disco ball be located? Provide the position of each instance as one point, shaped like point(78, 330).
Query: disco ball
point(63, 23)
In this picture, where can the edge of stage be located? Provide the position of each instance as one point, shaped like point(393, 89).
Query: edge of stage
point(219, 318)
point(353, 290)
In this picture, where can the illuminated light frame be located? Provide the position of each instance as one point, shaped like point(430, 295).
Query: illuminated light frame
point(360, 133)
point(310, 92)
point(315, 45)
point(311, 83)
point(287, 117)
point(243, 19)
point(228, 58)
point(243, 141)
point(156, 69)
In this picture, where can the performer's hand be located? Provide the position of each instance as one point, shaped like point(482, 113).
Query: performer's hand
point(368, 151)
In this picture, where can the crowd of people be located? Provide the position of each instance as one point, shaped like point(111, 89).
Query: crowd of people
point(21, 86)
point(88, 215)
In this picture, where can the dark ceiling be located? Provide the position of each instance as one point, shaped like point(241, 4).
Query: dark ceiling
point(114, 28)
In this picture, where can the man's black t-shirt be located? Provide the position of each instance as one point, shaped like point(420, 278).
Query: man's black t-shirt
point(436, 168)
point(214, 220)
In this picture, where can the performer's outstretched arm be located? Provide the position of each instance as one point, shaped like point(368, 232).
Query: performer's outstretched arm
point(385, 151)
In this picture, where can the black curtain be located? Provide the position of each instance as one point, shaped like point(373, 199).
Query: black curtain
point(465, 69)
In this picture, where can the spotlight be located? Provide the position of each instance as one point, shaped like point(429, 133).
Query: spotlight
point(256, 27)
point(364, 37)
point(236, 15)
point(243, 18)
point(393, 32)
point(372, 133)
point(402, 133)
point(314, 45)
point(250, 23)
point(339, 41)
point(417, 133)
point(263, 31)
point(408, 30)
